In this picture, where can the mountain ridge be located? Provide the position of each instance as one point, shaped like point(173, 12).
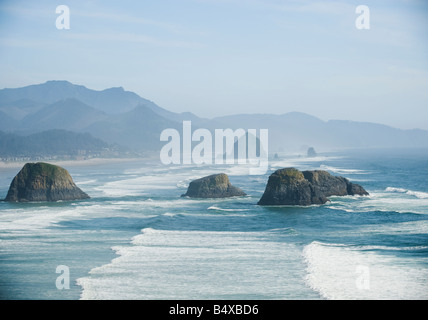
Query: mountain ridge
point(54, 143)
point(115, 115)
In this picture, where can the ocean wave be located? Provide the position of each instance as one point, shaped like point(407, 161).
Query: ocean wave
point(283, 231)
point(338, 271)
point(417, 194)
point(295, 159)
point(388, 248)
point(343, 171)
point(85, 182)
point(136, 186)
point(182, 184)
point(382, 201)
point(396, 229)
point(40, 218)
point(223, 209)
point(169, 214)
point(200, 264)
point(392, 189)
point(346, 209)
point(150, 231)
point(304, 163)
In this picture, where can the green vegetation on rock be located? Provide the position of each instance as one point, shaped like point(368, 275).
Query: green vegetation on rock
point(213, 186)
point(43, 182)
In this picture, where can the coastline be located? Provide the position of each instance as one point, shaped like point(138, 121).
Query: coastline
point(70, 163)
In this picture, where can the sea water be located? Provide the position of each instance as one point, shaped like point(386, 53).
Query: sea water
point(137, 238)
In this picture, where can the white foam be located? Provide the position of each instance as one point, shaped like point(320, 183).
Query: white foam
point(297, 161)
point(224, 209)
point(169, 214)
point(343, 272)
point(240, 170)
point(137, 182)
point(136, 186)
point(84, 182)
point(396, 201)
point(392, 189)
point(396, 229)
point(182, 184)
point(33, 219)
point(343, 208)
point(386, 248)
point(161, 264)
point(312, 164)
point(343, 171)
point(149, 231)
point(143, 181)
point(294, 162)
point(417, 194)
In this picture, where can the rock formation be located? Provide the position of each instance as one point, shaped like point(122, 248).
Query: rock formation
point(43, 182)
point(331, 185)
point(290, 186)
point(311, 152)
point(213, 186)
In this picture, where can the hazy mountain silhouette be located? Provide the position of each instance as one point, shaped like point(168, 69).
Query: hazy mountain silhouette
point(20, 108)
point(296, 131)
point(111, 101)
point(53, 143)
point(123, 117)
point(7, 123)
point(287, 131)
point(138, 129)
point(69, 114)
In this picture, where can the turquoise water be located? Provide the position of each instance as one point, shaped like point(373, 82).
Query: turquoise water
point(136, 238)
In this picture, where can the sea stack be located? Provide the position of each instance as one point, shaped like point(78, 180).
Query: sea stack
point(43, 182)
point(213, 186)
point(311, 152)
point(290, 186)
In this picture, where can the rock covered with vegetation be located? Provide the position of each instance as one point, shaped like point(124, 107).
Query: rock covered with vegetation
point(43, 182)
point(213, 186)
point(290, 186)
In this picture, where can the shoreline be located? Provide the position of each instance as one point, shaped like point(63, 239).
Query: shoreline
point(71, 163)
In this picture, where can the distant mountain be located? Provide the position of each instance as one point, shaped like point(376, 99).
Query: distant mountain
point(287, 132)
point(123, 117)
point(7, 123)
point(53, 143)
point(113, 115)
point(111, 101)
point(138, 129)
point(114, 100)
point(20, 108)
point(69, 114)
point(296, 131)
point(365, 134)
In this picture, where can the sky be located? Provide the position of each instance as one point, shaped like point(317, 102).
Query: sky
point(222, 57)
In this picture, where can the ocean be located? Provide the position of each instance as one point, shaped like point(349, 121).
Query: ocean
point(137, 238)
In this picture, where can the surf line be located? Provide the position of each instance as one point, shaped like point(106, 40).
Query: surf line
point(230, 147)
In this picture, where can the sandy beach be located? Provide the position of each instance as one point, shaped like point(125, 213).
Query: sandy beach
point(69, 163)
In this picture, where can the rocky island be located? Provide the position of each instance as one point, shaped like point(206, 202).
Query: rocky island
point(43, 182)
point(290, 186)
point(213, 186)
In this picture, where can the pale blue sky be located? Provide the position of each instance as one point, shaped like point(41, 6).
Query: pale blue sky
point(219, 57)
